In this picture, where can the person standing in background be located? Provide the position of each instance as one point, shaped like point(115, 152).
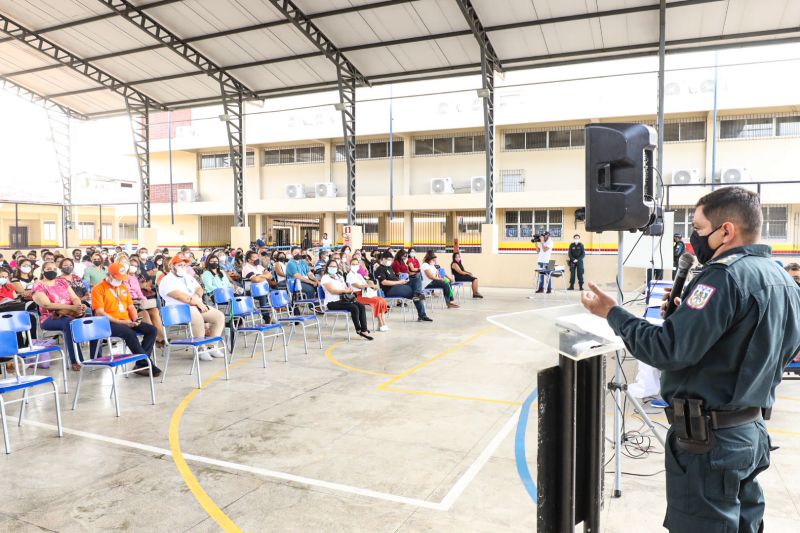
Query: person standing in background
point(678, 248)
point(576, 254)
point(545, 247)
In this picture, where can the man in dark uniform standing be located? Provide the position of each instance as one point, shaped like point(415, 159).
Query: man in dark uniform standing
point(722, 354)
point(678, 248)
point(576, 253)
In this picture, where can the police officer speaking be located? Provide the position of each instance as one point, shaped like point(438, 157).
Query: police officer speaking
point(722, 354)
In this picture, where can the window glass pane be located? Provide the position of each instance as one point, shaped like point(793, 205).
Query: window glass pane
point(302, 155)
point(250, 159)
point(272, 157)
point(526, 230)
point(540, 217)
point(672, 132)
point(555, 231)
point(577, 137)
point(206, 161)
point(340, 155)
point(423, 146)
point(535, 140)
point(731, 129)
point(479, 143)
point(512, 217)
point(443, 145)
point(379, 149)
point(512, 232)
point(559, 139)
point(693, 131)
point(515, 141)
point(398, 149)
point(540, 228)
point(526, 217)
point(287, 156)
point(362, 151)
point(788, 125)
point(317, 154)
point(746, 128)
point(463, 145)
point(556, 216)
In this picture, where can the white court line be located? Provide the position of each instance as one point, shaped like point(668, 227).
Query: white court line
point(494, 321)
point(446, 503)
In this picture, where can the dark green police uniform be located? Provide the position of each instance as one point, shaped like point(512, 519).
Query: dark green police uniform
point(736, 329)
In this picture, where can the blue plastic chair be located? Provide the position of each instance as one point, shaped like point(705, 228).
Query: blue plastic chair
point(244, 306)
point(181, 315)
point(223, 297)
point(280, 301)
point(8, 349)
point(20, 322)
point(393, 302)
point(336, 313)
point(295, 287)
point(98, 328)
point(261, 290)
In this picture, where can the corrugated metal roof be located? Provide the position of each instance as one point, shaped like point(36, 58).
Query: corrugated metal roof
point(387, 41)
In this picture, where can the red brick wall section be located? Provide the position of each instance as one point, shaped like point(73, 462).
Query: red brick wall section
point(159, 123)
point(159, 194)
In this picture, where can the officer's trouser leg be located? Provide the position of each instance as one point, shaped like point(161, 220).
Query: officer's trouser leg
point(717, 491)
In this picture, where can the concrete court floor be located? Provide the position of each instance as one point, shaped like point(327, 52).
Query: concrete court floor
point(322, 443)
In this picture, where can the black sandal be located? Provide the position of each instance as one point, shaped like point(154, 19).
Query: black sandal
point(362, 334)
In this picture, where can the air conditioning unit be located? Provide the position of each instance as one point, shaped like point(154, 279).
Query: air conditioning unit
point(186, 195)
point(295, 190)
point(685, 176)
point(442, 186)
point(477, 184)
point(734, 175)
point(326, 190)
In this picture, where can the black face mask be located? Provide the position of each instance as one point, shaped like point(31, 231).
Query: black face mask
point(213, 266)
point(97, 262)
point(296, 257)
point(66, 270)
point(50, 275)
point(702, 250)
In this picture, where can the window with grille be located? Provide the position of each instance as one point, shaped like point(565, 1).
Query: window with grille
point(542, 140)
point(107, 231)
point(683, 220)
point(522, 224)
point(746, 128)
point(682, 130)
point(512, 180)
point(372, 150)
point(49, 231)
point(469, 143)
point(292, 155)
point(776, 220)
point(223, 160)
point(127, 231)
point(86, 231)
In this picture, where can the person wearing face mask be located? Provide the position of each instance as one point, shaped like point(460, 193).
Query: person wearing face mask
point(58, 306)
point(213, 277)
point(96, 272)
point(431, 279)
point(394, 287)
point(105, 257)
point(298, 268)
point(575, 255)
point(367, 294)
point(461, 275)
point(67, 269)
point(279, 270)
point(23, 279)
point(180, 287)
point(412, 263)
point(253, 271)
point(46, 257)
point(112, 298)
point(721, 353)
point(340, 297)
point(319, 266)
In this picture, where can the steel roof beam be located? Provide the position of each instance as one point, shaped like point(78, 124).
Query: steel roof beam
point(79, 65)
point(38, 99)
point(153, 28)
point(479, 32)
point(307, 27)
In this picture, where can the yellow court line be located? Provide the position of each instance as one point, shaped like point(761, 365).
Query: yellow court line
point(436, 357)
point(792, 398)
point(202, 497)
point(329, 356)
point(452, 396)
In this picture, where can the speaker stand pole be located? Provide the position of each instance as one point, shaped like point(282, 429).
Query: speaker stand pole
point(618, 379)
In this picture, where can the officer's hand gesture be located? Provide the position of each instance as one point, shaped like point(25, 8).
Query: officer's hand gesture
point(665, 301)
point(598, 302)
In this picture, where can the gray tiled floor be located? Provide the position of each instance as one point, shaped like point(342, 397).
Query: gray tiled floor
point(334, 426)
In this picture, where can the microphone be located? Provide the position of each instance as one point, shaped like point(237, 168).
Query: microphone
point(685, 262)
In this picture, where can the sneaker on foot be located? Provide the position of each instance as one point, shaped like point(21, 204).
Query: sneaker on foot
point(383, 328)
point(205, 356)
point(424, 319)
point(217, 352)
point(549, 291)
point(539, 291)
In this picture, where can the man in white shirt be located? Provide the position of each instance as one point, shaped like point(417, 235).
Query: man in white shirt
point(326, 242)
point(545, 247)
point(180, 287)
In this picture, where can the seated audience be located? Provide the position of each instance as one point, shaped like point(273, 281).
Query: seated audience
point(214, 278)
point(367, 293)
point(432, 280)
point(58, 306)
point(67, 268)
point(319, 266)
point(23, 279)
point(464, 276)
point(280, 271)
point(253, 271)
point(47, 256)
point(96, 272)
point(180, 287)
point(338, 296)
point(147, 306)
point(298, 268)
point(112, 298)
point(394, 287)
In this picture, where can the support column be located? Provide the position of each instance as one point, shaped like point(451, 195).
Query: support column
point(139, 114)
point(73, 238)
point(487, 73)
point(347, 106)
point(384, 230)
point(60, 136)
point(329, 226)
point(450, 227)
point(408, 147)
point(662, 22)
point(240, 237)
point(408, 229)
point(489, 238)
point(148, 238)
point(232, 103)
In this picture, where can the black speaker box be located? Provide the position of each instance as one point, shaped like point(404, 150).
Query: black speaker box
point(619, 176)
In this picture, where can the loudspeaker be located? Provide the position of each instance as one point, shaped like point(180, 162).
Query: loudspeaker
point(619, 176)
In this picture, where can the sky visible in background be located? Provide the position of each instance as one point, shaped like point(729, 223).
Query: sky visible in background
point(104, 147)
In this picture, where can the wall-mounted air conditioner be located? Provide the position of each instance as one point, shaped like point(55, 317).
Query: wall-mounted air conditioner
point(442, 186)
point(734, 175)
point(685, 176)
point(477, 184)
point(186, 195)
point(295, 190)
point(326, 190)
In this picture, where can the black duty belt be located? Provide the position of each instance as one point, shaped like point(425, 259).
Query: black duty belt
point(724, 419)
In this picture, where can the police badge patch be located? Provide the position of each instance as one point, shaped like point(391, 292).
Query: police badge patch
point(700, 296)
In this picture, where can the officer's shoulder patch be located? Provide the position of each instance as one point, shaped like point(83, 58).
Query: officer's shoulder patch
point(700, 296)
point(728, 259)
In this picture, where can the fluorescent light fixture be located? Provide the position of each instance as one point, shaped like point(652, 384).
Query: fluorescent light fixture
point(225, 118)
point(340, 106)
point(483, 93)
